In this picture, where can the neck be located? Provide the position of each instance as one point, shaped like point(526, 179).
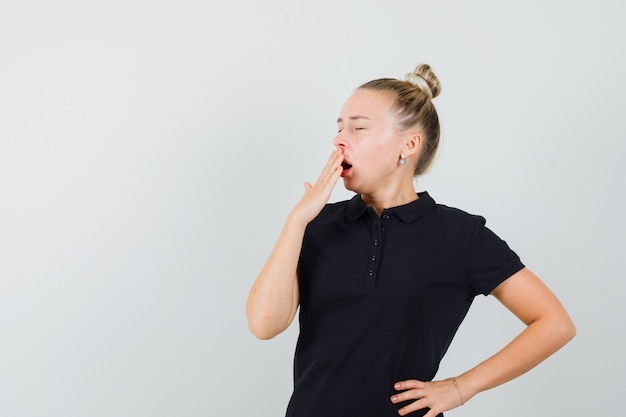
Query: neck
point(390, 197)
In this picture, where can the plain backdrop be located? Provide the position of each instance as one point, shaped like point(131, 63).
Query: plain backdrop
point(150, 151)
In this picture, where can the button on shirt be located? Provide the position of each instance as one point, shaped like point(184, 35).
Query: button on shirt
point(381, 299)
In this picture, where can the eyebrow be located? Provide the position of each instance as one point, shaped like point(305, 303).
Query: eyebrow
point(357, 117)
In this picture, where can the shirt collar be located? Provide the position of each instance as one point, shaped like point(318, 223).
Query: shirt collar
point(407, 212)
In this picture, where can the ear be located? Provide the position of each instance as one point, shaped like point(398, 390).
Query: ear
point(412, 144)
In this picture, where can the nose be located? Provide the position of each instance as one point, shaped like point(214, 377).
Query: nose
point(340, 141)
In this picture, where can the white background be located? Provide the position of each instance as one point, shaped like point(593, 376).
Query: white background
point(150, 150)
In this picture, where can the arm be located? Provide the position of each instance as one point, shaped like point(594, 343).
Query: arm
point(274, 297)
point(548, 328)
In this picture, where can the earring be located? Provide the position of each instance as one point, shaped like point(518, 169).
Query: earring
point(402, 160)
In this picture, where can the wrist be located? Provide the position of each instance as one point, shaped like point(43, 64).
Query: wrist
point(465, 386)
point(458, 391)
point(295, 221)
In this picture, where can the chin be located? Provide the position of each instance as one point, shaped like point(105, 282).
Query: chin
point(350, 186)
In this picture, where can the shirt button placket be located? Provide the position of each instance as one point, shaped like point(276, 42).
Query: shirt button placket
point(385, 217)
point(372, 267)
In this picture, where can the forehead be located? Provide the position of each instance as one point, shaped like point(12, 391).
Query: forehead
point(371, 104)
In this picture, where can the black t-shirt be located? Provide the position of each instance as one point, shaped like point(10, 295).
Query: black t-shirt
point(381, 299)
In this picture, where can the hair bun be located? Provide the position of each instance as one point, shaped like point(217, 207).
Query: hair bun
point(425, 79)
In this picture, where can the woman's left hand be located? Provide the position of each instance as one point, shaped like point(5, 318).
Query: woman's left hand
point(439, 396)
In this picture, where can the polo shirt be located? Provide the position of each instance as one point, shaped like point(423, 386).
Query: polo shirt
point(381, 298)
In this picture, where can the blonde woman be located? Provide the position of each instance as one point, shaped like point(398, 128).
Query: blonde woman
point(384, 280)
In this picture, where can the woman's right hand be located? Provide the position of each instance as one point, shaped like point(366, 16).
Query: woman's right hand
point(274, 297)
point(316, 196)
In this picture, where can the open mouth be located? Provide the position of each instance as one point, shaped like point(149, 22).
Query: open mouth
point(346, 166)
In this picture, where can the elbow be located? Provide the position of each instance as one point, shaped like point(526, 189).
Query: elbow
point(261, 329)
point(570, 330)
point(566, 330)
point(266, 323)
point(261, 332)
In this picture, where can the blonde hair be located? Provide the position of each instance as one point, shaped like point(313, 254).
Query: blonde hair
point(413, 102)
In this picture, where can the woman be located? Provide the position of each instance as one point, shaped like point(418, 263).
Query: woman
point(384, 280)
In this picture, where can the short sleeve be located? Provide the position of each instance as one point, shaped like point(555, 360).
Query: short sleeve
point(491, 261)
